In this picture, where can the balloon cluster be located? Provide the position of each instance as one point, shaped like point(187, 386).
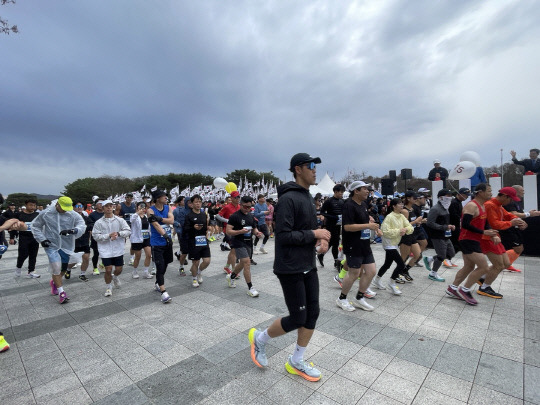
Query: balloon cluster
point(220, 182)
point(466, 167)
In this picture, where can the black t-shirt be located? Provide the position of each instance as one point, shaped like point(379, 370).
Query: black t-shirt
point(239, 220)
point(195, 236)
point(332, 210)
point(356, 243)
point(514, 206)
point(26, 218)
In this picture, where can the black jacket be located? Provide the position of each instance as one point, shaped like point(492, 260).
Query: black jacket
point(296, 218)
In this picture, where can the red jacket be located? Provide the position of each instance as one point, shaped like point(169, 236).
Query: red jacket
point(497, 217)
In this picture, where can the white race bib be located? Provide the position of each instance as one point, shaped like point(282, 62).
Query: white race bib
point(365, 234)
point(200, 240)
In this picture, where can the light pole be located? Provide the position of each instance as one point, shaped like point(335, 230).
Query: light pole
point(502, 169)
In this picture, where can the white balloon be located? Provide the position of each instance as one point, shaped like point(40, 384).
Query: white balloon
point(470, 156)
point(462, 171)
point(220, 182)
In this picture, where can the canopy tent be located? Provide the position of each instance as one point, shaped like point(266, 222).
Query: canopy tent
point(326, 186)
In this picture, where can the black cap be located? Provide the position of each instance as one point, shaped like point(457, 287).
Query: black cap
point(444, 192)
point(301, 158)
point(158, 193)
point(465, 191)
point(10, 203)
point(129, 195)
point(411, 193)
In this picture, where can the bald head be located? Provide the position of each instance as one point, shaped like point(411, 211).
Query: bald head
point(520, 191)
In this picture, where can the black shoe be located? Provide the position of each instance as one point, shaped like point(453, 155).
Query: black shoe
point(337, 263)
point(185, 262)
point(224, 248)
point(82, 277)
point(320, 258)
point(407, 277)
point(177, 255)
point(67, 275)
point(253, 262)
point(488, 292)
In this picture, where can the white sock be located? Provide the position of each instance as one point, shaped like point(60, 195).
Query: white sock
point(145, 269)
point(60, 289)
point(108, 286)
point(263, 338)
point(485, 285)
point(434, 274)
point(83, 272)
point(133, 257)
point(298, 355)
point(262, 246)
point(453, 287)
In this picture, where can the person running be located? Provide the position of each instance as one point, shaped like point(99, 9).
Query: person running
point(394, 227)
point(28, 246)
point(473, 235)
point(224, 216)
point(161, 219)
point(93, 217)
point(331, 210)
point(440, 229)
point(269, 218)
point(110, 233)
point(56, 229)
point(419, 233)
point(125, 210)
point(140, 240)
point(261, 210)
point(357, 229)
point(195, 228)
point(297, 239)
point(179, 214)
point(408, 243)
point(240, 227)
point(82, 245)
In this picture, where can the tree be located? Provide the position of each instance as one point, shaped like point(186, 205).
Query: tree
point(4, 26)
point(19, 198)
point(251, 176)
point(82, 190)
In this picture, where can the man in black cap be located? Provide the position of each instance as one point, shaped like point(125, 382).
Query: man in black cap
point(297, 240)
point(455, 210)
point(125, 210)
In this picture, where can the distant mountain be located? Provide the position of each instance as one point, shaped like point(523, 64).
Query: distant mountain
point(45, 197)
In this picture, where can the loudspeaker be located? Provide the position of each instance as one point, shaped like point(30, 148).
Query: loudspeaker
point(392, 175)
point(406, 174)
point(387, 187)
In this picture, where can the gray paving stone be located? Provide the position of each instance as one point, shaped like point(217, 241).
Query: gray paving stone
point(532, 329)
point(342, 390)
point(448, 385)
point(20, 398)
point(286, 388)
point(106, 386)
point(429, 397)
point(457, 361)
point(373, 358)
point(13, 386)
point(359, 372)
point(319, 399)
point(532, 313)
point(39, 327)
point(531, 352)
point(372, 397)
point(485, 396)
point(128, 395)
point(56, 387)
point(390, 340)
point(489, 375)
point(421, 350)
point(503, 345)
point(395, 387)
point(531, 383)
point(407, 370)
point(362, 332)
point(339, 324)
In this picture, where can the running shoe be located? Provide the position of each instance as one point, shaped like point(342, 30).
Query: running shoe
point(446, 263)
point(453, 264)
point(182, 272)
point(147, 275)
point(467, 296)
point(101, 267)
point(436, 277)
point(400, 280)
point(165, 297)
point(153, 272)
point(453, 293)
point(513, 269)
point(258, 350)
point(362, 304)
point(54, 290)
point(427, 264)
point(76, 265)
point(4, 346)
point(226, 270)
point(108, 292)
point(177, 256)
point(82, 277)
point(96, 272)
point(135, 274)
point(63, 298)
point(33, 275)
point(489, 292)
point(224, 248)
point(194, 283)
point(418, 264)
point(131, 261)
point(156, 287)
point(199, 278)
point(303, 369)
point(116, 282)
point(370, 294)
point(394, 288)
point(377, 282)
point(67, 274)
point(344, 305)
point(253, 262)
point(252, 292)
point(407, 277)
point(263, 251)
point(338, 280)
point(231, 281)
point(17, 272)
point(255, 252)
point(320, 258)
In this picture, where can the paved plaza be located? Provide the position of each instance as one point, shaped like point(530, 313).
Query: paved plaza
point(421, 347)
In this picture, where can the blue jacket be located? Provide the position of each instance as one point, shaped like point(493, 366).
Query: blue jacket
point(259, 212)
point(478, 177)
point(179, 215)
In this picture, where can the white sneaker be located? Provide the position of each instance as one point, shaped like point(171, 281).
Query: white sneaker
point(153, 272)
point(131, 261)
point(108, 292)
point(135, 275)
point(255, 252)
point(116, 282)
point(17, 272)
point(370, 294)
point(344, 305)
point(165, 297)
point(199, 278)
point(195, 283)
point(147, 275)
point(263, 251)
point(362, 304)
point(394, 288)
point(75, 265)
point(377, 283)
point(232, 282)
point(32, 275)
point(156, 286)
point(252, 292)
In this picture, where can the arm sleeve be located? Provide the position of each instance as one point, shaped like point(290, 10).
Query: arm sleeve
point(466, 224)
point(285, 218)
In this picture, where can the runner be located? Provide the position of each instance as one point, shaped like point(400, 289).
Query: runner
point(408, 243)
point(140, 240)
point(331, 210)
point(110, 233)
point(82, 245)
point(261, 210)
point(195, 228)
point(28, 246)
point(56, 229)
point(93, 217)
point(224, 216)
point(161, 218)
point(179, 214)
point(126, 210)
point(297, 239)
point(240, 227)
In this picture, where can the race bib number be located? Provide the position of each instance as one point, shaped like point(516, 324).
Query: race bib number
point(145, 234)
point(339, 217)
point(365, 234)
point(200, 240)
point(127, 217)
point(167, 229)
point(448, 233)
point(28, 226)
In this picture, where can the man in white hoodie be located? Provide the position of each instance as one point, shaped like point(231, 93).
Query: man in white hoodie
point(110, 232)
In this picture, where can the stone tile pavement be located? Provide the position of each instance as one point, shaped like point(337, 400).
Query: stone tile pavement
point(419, 348)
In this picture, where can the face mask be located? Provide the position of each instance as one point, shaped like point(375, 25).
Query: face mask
point(445, 202)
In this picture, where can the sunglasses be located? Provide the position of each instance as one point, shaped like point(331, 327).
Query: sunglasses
point(309, 165)
point(247, 207)
point(78, 206)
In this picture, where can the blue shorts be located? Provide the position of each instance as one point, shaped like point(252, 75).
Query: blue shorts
point(56, 256)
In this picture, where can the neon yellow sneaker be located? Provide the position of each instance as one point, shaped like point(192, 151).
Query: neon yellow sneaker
point(4, 346)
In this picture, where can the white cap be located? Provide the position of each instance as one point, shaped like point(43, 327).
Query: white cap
point(104, 203)
point(436, 161)
point(423, 190)
point(357, 184)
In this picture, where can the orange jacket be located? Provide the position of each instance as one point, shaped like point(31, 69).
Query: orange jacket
point(497, 217)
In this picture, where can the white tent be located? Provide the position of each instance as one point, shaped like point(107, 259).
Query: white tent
point(326, 186)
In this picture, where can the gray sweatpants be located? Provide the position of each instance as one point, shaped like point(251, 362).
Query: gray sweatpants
point(444, 250)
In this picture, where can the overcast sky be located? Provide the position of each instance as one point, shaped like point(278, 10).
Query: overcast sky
point(132, 87)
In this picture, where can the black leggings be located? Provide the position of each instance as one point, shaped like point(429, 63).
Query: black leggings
point(301, 292)
point(392, 255)
point(28, 249)
point(162, 256)
point(95, 257)
point(335, 233)
point(264, 229)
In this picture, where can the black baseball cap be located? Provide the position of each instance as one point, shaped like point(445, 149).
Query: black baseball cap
point(158, 193)
point(444, 192)
point(301, 158)
point(465, 191)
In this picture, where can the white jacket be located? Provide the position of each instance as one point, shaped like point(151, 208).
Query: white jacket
point(101, 233)
point(136, 229)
